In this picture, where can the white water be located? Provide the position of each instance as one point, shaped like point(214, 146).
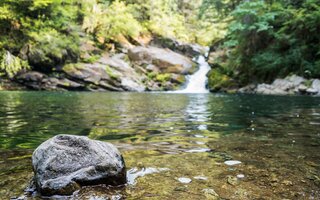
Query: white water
point(197, 81)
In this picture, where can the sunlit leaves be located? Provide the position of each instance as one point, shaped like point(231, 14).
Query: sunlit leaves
point(10, 64)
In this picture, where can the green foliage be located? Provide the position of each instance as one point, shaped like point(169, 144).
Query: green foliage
point(218, 8)
point(49, 47)
point(111, 21)
point(91, 59)
point(274, 39)
point(163, 77)
point(218, 80)
point(11, 65)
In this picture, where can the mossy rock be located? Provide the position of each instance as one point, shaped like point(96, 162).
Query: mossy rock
point(91, 59)
point(218, 81)
point(163, 77)
point(72, 67)
point(194, 68)
point(111, 73)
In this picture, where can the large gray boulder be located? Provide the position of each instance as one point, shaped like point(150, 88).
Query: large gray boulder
point(165, 60)
point(64, 163)
point(190, 50)
point(107, 73)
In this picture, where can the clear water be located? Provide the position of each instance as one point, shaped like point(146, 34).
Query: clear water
point(196, 83)
point(169, 139)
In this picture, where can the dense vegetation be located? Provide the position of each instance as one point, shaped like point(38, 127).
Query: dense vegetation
point(259, 40)
point(47, 33)
point(268, 39)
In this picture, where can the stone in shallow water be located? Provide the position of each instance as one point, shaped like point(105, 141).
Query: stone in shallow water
point(232, 180)
point(232, 162)
point(184, 180)
point(210, 194)
point(198, 150)
point(202, 178)
point(240, 176)
point(199, 136)
point(64, 163)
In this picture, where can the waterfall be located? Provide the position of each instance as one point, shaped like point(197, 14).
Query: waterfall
point(196, 83)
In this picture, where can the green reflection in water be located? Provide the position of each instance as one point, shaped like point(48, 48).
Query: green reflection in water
point(275, 138)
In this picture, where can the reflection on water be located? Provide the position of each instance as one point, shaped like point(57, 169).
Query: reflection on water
point(276, 139)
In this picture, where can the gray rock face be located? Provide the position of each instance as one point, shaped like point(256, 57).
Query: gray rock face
point(108, 73)
point(64, 163)
point(165, 60)
point(190, 50)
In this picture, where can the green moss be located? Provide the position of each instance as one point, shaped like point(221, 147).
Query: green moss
point(151, 75)
point(218, 81)
point(308, 83)
point(194, 68)
point(91, 59)
point(163, 77)
point(110, 72)
point(180, 79)
point(72, 67)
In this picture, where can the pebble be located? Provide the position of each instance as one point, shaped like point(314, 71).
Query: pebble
point(240, 176)
point(232, 162)
point(232, 180)
point(184, 180)
point(210, 194)
point(200, 150)
point(201, 143)
point(199, 136)
point(203, 178)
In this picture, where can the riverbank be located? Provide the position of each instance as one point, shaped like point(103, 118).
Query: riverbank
point(223, 78)
point(291, 85)
point(159, 65)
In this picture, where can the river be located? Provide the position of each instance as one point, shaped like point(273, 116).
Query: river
point(168, 140)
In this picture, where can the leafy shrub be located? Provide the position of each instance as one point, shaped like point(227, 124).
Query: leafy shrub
point(111, 21)
point(48, 48)
point(271, 40)
point(11, 65)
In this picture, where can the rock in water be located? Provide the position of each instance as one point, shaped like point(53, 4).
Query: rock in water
point(64, 163)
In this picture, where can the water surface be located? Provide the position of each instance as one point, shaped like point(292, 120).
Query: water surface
point(169, 139)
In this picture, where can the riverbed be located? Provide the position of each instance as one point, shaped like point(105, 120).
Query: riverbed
point(176, 146)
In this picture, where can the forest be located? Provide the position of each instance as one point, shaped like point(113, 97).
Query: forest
point(254, 41)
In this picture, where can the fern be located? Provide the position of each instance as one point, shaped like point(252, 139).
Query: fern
point(11, 64)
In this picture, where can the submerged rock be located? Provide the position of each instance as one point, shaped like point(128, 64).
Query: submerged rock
point(210, 194)
point(64, 163)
